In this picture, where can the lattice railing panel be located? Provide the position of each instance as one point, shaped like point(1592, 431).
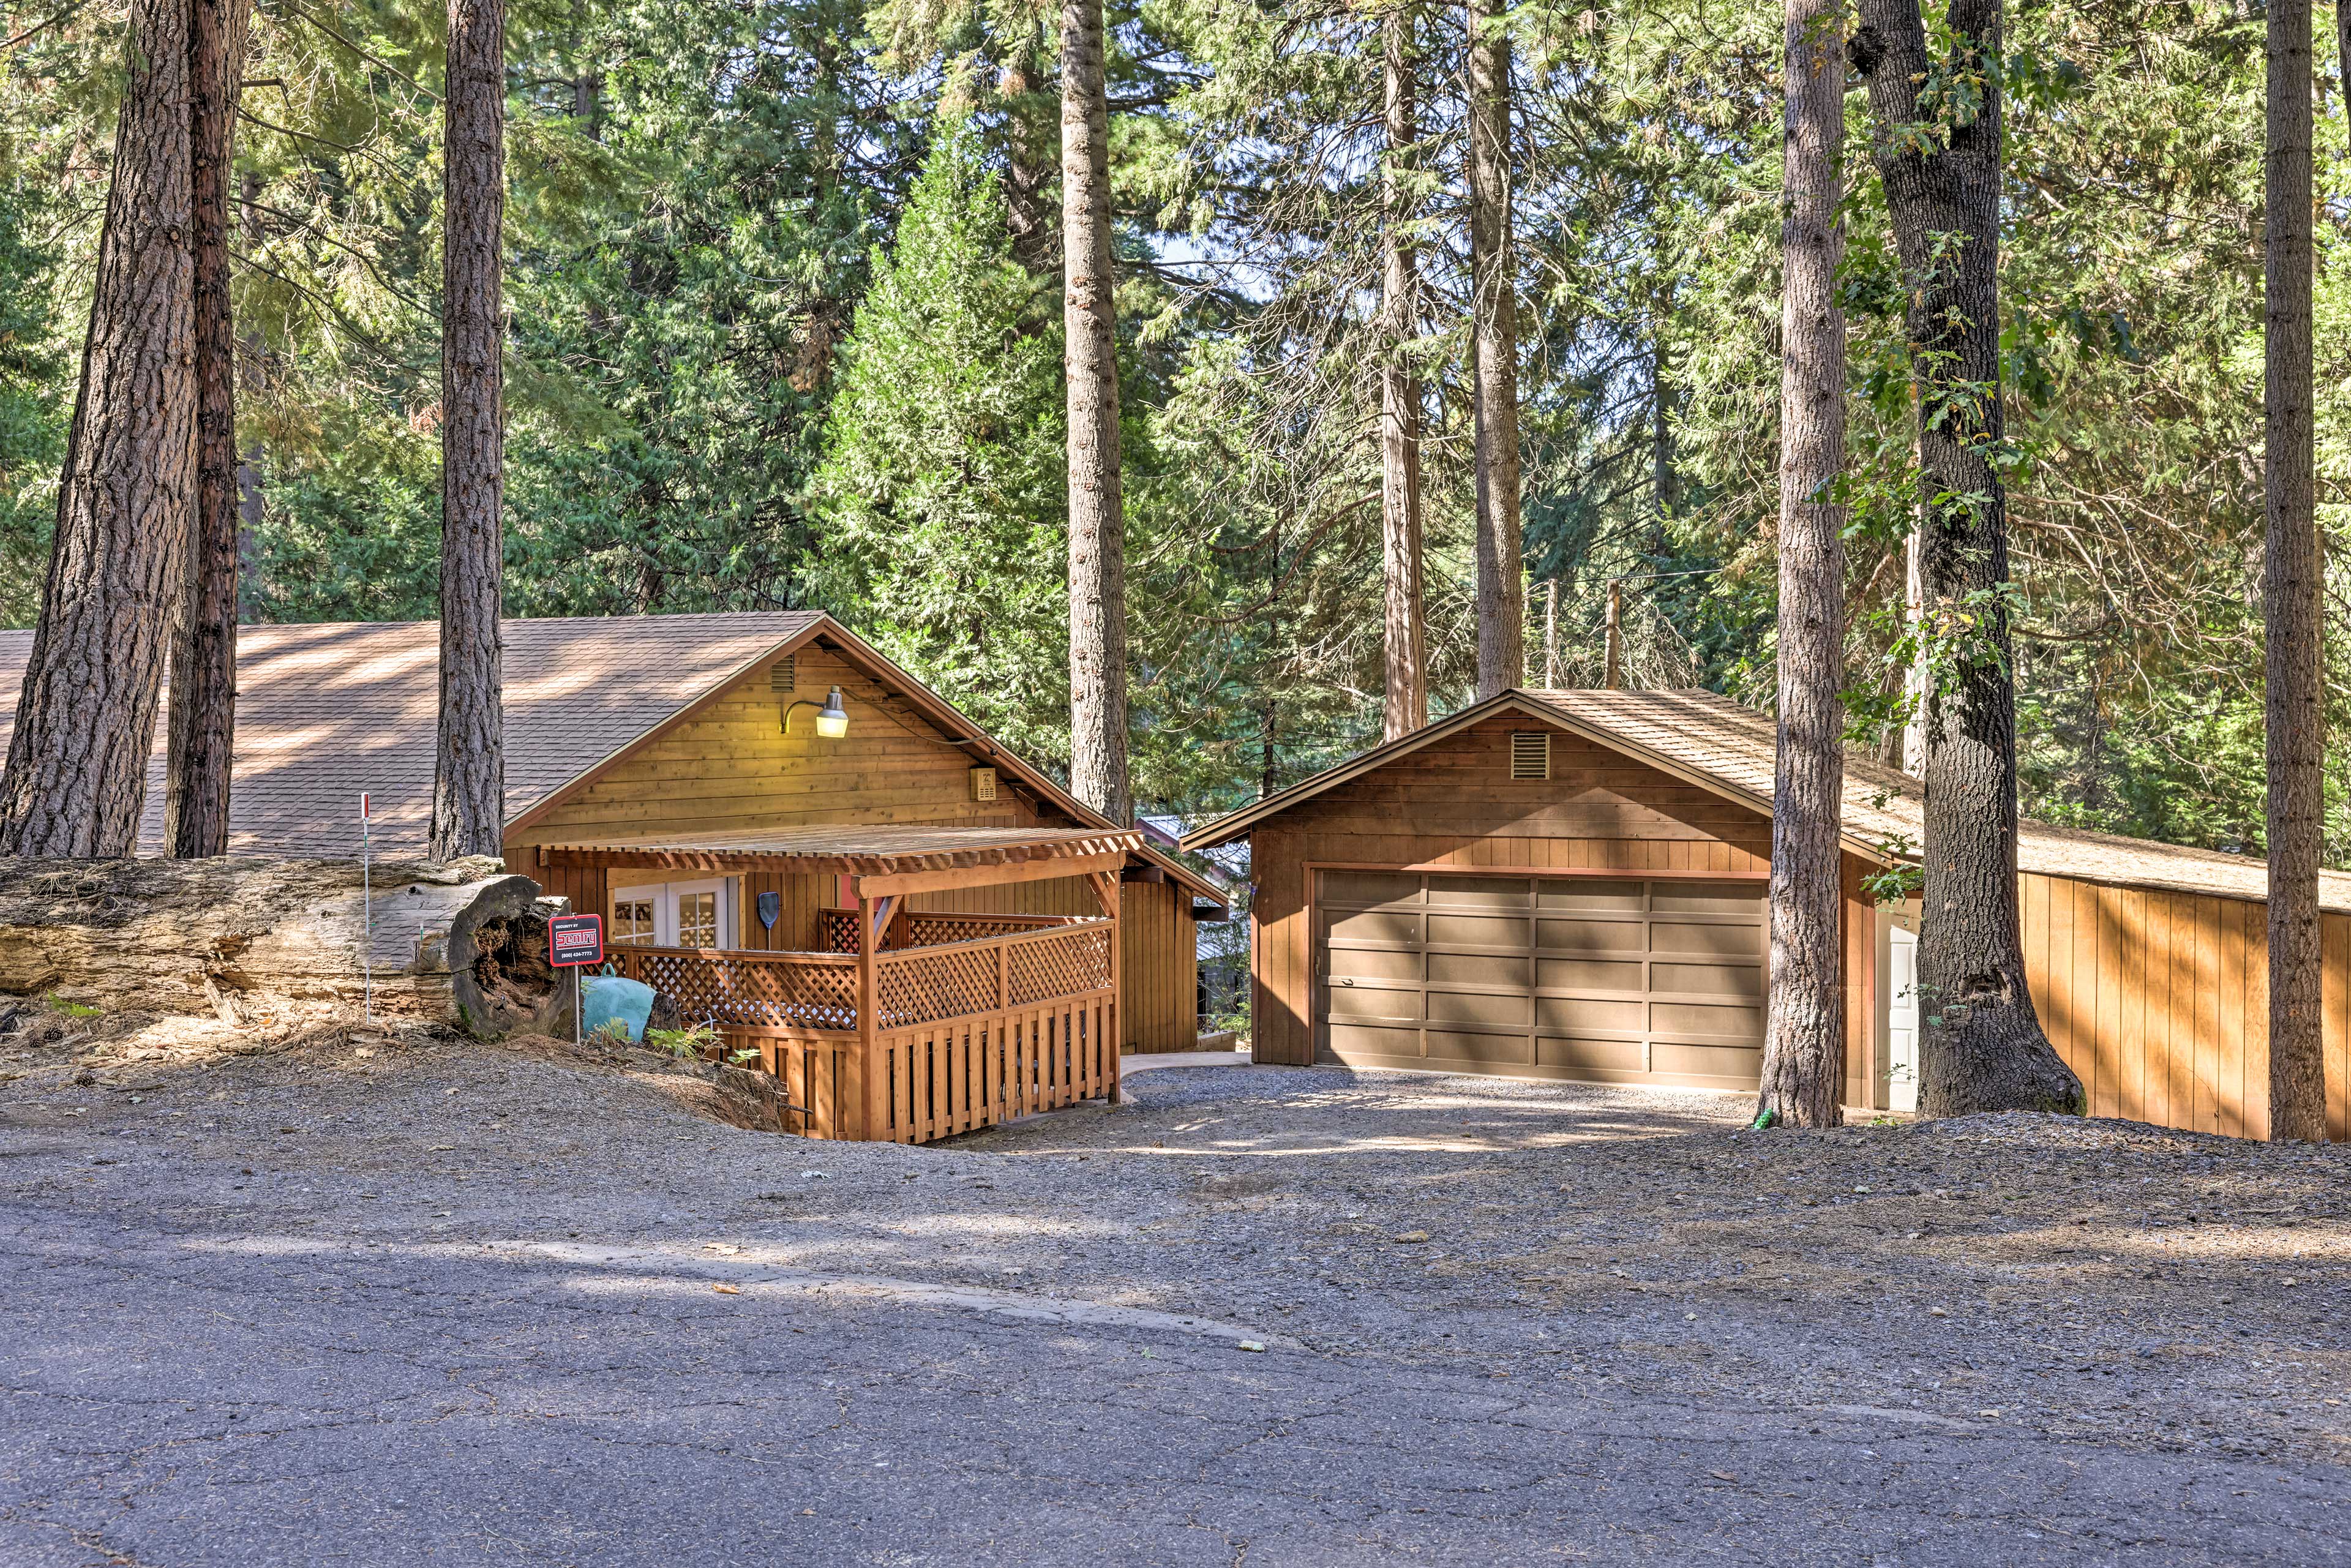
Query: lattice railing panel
point(918, 984)
point(840, 929)
point(730, 988)
point(936, 929)
point(1063, 965)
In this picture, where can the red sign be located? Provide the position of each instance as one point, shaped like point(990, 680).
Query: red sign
point(575, 939)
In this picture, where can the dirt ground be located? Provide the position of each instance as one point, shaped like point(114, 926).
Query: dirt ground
point(2163, 1310)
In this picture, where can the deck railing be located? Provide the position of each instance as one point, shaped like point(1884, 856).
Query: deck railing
point(931, 928)
point(963, 1034)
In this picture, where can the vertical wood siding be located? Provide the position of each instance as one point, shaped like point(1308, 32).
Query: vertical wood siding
point(2159, 1002)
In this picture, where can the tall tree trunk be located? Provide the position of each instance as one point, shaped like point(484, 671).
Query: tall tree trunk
point(1554, 678)
point(2296, 717)
point(1097, 522)
point(1494, 308)
point(1407, 686)
point(203, 656)
point(1803, 1041)
point(1914, 672)
point(469, 778)
point(76, 775)
point(1982, 1048)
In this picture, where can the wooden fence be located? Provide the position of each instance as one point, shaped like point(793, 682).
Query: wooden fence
point(964, 1034)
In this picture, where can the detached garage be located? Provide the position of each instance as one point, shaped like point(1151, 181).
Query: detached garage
point(1571, 884)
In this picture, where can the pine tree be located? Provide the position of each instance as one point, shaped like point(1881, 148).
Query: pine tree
point(942, 483)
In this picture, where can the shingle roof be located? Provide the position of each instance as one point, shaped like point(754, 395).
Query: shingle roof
point(324, 712)
point(1704, 734)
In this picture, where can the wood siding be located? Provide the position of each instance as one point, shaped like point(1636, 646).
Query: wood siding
point(2159, 1002)
point(728, 766)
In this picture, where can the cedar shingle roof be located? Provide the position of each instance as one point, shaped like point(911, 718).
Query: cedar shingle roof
point(1708, 736)
point(324, 712)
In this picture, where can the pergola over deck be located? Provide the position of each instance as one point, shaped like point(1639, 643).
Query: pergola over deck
point(911, 1026)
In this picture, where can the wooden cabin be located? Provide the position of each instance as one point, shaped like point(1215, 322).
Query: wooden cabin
point(1571, 884)
point(784, 830)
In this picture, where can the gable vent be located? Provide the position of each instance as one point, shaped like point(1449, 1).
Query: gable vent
point(1530, 754)
point(782, 675)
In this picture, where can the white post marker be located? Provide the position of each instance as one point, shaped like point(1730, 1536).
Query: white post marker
point(367, 922)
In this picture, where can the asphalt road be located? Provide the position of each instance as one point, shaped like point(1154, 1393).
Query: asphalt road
point(324, 1357)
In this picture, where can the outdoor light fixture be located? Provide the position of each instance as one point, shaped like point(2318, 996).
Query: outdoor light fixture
point(832, 719)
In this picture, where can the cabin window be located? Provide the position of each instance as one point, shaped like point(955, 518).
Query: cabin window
point(1530, 754)
point(676, 914)
point(633, 922)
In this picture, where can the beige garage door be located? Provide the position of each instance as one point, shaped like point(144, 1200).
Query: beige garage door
point(1545, 977)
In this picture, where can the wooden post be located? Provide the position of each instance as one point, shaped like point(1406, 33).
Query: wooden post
point(1106, 890)
point(862, 1066)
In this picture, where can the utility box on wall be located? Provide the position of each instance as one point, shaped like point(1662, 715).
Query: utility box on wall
point(983, 783)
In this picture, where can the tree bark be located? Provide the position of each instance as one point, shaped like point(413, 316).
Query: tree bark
point(1501, 591)
point(1097, 524)
point(77, 775)
point(470, 775)
point(1803, 1041)
point(1981, 1046)
point(1407, 686)
point(2296, 717)
point(201, 744)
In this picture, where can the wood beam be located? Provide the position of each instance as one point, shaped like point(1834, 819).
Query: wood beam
point(880, 885)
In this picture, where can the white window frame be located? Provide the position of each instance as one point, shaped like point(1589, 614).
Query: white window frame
point(664, 896)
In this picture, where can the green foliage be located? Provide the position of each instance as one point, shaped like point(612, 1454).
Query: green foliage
point(943, 487)
point(687, 1044)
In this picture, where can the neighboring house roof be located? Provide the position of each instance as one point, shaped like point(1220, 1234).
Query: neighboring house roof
point(1704, 735)
point(328, 711)
point(1229, 861)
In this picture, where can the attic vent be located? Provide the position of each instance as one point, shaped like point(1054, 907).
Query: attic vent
point(1530, 754)
point(782, 675)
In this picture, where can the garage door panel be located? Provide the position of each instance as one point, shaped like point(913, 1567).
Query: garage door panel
point(1374, 1002)
point(1708, 979)
point(1391, 925)
point(1588, 935)
point(1743, 1025)
point(1573, 1014)
point(1707, 898)
point(1369, 888)
point(1610, 1055)
point(1724, 939)
point(1478, 892)
point(1579, 894)
point(1492, 1049)
point(1587, 974)
point(1477, 931)
point(1351, 1041)
point(1505, 1008)
point(1375, 963)
point(1477, 969)
point(1618, 980)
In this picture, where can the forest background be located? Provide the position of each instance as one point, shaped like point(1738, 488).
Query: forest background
point(785, 331)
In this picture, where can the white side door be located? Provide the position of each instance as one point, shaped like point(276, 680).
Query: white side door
point(1899, 928)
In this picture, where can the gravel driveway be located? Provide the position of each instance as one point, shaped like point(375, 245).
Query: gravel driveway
point(444, 1304)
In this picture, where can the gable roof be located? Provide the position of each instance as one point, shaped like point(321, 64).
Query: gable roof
point(1705, 735)
point(328, 711)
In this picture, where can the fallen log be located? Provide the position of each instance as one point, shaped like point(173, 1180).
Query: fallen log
point(243, 938)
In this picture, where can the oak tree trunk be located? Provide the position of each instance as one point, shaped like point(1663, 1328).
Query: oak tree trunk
point(77, 775)
point(1501, 592)
point(1804, 1042)
point(1097, 526)
point(470, 775)
point(1405, 708)
point(203, 656)
point(1981, 1046)
point(2296, 717)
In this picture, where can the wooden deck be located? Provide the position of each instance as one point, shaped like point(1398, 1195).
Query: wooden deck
point(974, 1019)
